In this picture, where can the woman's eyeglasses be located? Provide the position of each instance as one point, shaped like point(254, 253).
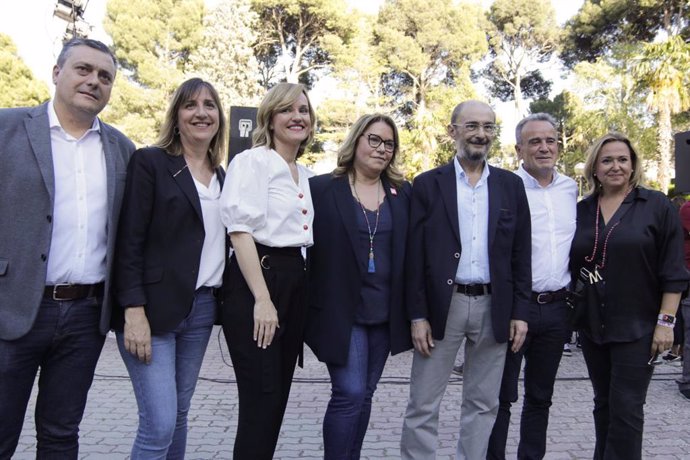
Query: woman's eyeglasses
point(375, 141)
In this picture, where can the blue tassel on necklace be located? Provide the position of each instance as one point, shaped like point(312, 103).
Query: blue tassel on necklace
point(372, 267)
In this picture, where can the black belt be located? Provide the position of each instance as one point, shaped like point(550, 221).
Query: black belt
point(549, 296)
point(73, 291)
point(288, 258)
point(473, 289)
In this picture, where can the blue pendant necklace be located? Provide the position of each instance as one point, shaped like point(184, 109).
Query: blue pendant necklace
point(372, 266)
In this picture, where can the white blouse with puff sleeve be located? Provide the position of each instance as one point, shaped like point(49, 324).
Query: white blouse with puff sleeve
point(261, 198)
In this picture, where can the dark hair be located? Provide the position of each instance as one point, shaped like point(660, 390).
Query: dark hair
point(170, 141)
point(91, 43)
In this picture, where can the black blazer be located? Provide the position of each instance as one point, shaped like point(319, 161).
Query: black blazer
point(433, 250)
point(159, 240)
point(336, 268)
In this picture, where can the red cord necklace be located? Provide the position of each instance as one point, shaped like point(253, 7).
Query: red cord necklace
point(590, 258)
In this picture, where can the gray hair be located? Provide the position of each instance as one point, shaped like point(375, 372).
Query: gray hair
point(541, 116)
point(91, 43)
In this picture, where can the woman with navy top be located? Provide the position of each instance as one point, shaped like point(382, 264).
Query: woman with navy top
point(356, 316)
point(268, 211)
point(169, 260)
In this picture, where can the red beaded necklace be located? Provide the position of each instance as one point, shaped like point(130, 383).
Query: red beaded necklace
point(590, 258)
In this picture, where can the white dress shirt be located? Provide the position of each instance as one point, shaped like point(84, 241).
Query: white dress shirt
point(213, 251)
point(80, 212)
point(553, 212)
point(473, 217)
point(261, 198)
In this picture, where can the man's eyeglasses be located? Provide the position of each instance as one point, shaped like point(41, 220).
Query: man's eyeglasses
point(489, 128)
point(374, 142)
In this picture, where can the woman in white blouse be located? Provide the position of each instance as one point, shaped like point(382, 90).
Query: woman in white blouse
point(268, 212)
point(169, 262)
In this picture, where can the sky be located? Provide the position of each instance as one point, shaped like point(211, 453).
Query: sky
point(38, 35)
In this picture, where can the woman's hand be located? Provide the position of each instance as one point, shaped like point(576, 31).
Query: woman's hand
point(663, 339)
point(265, 322)
point(138, 333)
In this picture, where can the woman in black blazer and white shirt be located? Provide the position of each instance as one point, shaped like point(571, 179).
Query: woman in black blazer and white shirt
point(169, 260)
point(356, 316)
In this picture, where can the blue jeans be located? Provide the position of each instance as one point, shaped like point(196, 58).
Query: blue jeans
point(353, 386)
point(65, 343)
point(164, 388)
point(542, 351)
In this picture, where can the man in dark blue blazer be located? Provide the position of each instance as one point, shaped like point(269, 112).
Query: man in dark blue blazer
point(61, 184)
point(468, 278)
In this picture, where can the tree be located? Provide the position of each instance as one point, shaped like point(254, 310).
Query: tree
point(18, 86)
point(524, 33)
point(298, 37)
point(430, 43)
point(532, 86)
point(152, 41)
point(225, 57)
point(601, 25)
point(662, 69)
point(428, 47)
point(658, 30)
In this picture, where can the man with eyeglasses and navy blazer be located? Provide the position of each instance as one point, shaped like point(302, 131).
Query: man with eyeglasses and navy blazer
point(61, 184)
point(468, 274)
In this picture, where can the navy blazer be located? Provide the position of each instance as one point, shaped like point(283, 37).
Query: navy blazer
point(159, 240)
point(433, 250)
point(336, 267)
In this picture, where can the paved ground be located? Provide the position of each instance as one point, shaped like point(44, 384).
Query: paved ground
point(110, 419)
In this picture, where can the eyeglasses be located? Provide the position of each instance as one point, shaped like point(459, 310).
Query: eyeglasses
point(375, 141)
point(489, 128)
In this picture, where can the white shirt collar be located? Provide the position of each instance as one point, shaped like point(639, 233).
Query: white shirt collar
point(54, 122)
point(531, 182)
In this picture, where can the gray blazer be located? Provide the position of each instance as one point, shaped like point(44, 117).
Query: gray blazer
point(27, 193)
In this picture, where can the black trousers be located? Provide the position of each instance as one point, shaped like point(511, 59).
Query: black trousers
point(542, 351)
point(264, 376)
point(620, 377)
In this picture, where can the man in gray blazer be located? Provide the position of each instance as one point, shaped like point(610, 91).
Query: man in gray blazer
point(62, 175)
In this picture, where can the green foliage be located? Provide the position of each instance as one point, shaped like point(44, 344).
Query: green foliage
point(600, 25)
point(428, 48)
point(152, 41)
point(429, 42)
point(18, 87)
point(524, 33)
point(225, 57)
point(297, 37)
point(532, 86)
point(661, 69)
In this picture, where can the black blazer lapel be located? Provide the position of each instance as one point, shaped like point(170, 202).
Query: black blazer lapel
point(183, 178)
point(494, 183)
point(346, 210)
point(448, 189)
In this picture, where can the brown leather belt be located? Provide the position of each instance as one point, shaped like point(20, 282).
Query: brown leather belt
point(549, 296)
point(73, 291)
point(473, 289)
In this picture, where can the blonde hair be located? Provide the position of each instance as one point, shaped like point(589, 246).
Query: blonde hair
point(280, 97)
point(593, 156)
point(347, 151)
point(169, 136)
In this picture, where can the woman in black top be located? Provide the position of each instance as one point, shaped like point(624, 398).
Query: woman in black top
point(628, 250)
point(356, 315)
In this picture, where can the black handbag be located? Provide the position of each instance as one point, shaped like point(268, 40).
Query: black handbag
point(585, 299)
